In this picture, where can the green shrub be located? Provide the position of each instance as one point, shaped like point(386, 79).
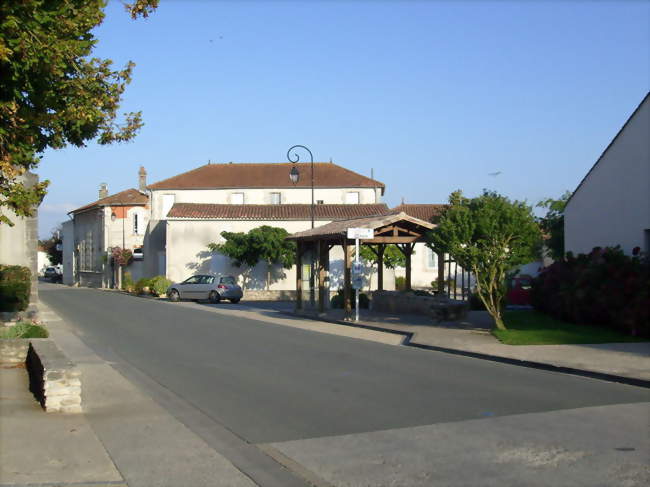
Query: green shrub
point(127, 282)
point(159, 285)
point(141, 284)
point(400, 283)
point(15, 288)
point(337, 300)
point(24, 329)
point(605, 287)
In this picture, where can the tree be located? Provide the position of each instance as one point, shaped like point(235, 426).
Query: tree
point(262, 244)
point(393, 257)
point(488, 235)
point(52, 247)
point(52, 93)
point(552, 225)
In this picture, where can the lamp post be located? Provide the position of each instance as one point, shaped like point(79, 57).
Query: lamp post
point(294, 174)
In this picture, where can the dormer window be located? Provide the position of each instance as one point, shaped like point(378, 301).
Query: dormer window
point(237, 198)
point(276, 198)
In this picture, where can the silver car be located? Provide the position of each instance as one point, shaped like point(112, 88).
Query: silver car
point(204, 286)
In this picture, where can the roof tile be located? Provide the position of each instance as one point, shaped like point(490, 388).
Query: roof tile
point(129, 197)
point(273, 212)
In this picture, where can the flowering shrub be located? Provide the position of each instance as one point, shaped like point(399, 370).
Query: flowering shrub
point(121, 257)
point(605, 287)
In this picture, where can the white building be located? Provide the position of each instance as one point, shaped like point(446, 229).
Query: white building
point(189, 211)
point(611, 205)
point(117, 220)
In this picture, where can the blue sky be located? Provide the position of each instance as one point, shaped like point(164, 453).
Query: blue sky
point(432, 95)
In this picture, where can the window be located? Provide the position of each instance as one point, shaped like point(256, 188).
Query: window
point(227, 280)
point(135, 223)
point(352, 198)
point(193, 280)
point(276, 198)
point(207, 280)
point(320, 202)
point(167, 203)
point(237, 198)
point(431, 258)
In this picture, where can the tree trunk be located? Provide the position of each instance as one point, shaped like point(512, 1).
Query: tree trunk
point(268, 276)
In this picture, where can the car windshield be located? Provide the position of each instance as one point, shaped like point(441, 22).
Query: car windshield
point(192, 280)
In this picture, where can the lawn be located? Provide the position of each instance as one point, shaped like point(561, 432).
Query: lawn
point(528, 327)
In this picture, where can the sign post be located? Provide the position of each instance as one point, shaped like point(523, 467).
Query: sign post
point(357, 268)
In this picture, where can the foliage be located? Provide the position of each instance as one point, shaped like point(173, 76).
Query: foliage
point(52, 92)
point(158, 285)
point(400, 283)
point(393, 256)
point(529, 327)
point(262, 244)
point(24, 329)
point(487, 235)
point(122, 257)
point(552, 225)
point(15, 288)
point(605, 288)
point(50, 247)
point(141, 284)
point(127, 282)
point(337, 300)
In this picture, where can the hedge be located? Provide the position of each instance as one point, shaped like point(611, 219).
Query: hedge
point(605, 287)
point(15, 287)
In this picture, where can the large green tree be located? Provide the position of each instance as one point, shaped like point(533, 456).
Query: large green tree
point(53, 93)
point(552, 225)
point(262, 244)
point(393, 257)
point(488, 235)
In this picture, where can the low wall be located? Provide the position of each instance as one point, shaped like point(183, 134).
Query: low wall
point(262, 295)
point(439, 308)
point(91, 279)
point(54, 380)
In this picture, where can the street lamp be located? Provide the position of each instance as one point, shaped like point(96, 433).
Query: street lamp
point(294, 175)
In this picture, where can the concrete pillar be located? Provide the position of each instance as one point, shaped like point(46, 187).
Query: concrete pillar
point(347, 284)
point(323, 276)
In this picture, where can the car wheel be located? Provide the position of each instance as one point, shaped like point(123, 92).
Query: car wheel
point(235, 300)
point(174, 296)
point(214, 297)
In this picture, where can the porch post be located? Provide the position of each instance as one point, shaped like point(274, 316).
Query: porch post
point(323, 272)
point(380, 267)
point(347, 285)
point(408, 251)
point(298, 275)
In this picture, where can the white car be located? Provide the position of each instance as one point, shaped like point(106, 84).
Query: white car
point(204, 286)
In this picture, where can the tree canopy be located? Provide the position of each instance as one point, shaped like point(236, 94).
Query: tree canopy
point(488, 235)
point(52, 92)
point(52, 247)
point(393, 257)
point(262, 244)
point(552, 225)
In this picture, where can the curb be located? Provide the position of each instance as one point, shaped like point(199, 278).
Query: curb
point(408, 336)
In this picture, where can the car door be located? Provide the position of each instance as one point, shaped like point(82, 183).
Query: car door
point(188, 288)
point(204, 287)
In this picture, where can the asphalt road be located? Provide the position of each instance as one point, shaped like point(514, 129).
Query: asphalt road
point(270, 383)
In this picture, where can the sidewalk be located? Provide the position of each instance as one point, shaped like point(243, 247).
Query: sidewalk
point(627, 361)
point(123, 438)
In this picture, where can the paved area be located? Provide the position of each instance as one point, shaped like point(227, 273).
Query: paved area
point(193, 394)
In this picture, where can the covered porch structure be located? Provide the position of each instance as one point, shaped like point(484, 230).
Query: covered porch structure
point(314, 245)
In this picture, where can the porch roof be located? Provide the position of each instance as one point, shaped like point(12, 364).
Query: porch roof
point(388, 229)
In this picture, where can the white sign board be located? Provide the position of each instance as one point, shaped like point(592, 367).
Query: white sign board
point(360, 233)
point(357, 268)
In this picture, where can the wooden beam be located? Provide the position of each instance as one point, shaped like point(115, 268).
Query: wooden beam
point(298, 275)
point(393, 240)
point(323, 272)
point(347, 284)
point(441, 272)
point(380, 267)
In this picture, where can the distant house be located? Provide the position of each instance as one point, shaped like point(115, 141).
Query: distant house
point(117, 220)
point(611, 205)
point(189, 211)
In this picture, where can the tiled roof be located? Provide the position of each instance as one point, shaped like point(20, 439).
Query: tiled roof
point(274, 212)
point(339, 228)
point(129, 197)
point(266, 175)
point(428, 213)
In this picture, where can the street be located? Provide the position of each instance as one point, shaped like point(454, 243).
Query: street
point(271, 384)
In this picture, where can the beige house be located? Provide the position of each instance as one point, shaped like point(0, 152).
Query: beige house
point(189, 211)
point(117, 220)
point(611, 205)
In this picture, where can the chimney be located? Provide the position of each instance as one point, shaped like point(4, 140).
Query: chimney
point(103, 190)
point(142, 179)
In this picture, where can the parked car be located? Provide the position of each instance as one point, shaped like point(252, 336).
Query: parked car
point(201, 286)
point(519, 290)
point(53, 274)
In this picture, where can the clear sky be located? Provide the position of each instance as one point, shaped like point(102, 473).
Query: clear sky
point(432, 95)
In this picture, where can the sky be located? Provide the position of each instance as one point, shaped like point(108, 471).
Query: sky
point(432, 96)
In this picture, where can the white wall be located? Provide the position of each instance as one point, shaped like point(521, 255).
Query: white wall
point(612, 206)
point(43, 261)
point(113, 229)
point(259, 196)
